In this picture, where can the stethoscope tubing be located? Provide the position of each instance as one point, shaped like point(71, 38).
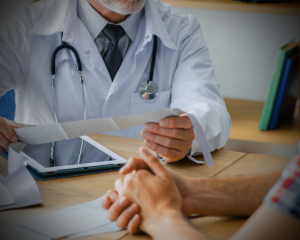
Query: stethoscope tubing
point(64, 45)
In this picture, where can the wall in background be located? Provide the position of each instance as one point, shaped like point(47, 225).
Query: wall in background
point(243, 48)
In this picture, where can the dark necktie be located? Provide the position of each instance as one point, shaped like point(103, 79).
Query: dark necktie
point(113, 56)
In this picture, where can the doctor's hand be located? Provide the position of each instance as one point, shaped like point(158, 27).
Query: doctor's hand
point(7, 133)
point(171, 138)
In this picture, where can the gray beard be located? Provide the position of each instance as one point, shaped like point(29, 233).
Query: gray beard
point(131, 6)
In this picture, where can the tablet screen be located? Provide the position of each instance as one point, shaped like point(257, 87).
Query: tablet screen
point(65, 153)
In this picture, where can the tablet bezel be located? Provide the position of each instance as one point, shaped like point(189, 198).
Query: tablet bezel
point(117, 160)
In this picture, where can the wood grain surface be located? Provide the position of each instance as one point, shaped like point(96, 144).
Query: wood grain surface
point(245, 118)
point(254, 164)
point(287, 8)
point(63, 193)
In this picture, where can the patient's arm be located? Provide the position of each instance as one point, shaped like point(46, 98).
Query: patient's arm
point(269, 223)
point(234, 196)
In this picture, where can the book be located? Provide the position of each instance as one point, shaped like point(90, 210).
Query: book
point(287, 93)
point(282, 55)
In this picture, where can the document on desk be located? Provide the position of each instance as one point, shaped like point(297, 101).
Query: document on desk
point(15, 231)
point(69, 130)
point(110, 227)
point(6, 201)
point(69, 221)
point(22, 188)
point(19, 187)
point(1, 178)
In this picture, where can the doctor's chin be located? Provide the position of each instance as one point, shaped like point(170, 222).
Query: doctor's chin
point(149, 119)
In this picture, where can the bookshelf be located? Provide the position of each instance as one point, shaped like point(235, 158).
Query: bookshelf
point(287, 8)
point(245, 117)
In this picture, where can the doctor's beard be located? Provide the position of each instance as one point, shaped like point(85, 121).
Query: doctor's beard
point(124, 7)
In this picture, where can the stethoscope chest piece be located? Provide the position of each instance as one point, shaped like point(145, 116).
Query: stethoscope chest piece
point(148, 90)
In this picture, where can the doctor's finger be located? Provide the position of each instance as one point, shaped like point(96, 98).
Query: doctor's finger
point(167, 141)
point(133, 164)
point(170, 154)
point(109, 198)
point(179, 133)
point(11, 123)
point(176, 122)
point(4, 142)
point(7, 131)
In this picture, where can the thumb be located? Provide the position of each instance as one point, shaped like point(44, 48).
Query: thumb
point(153, 163)
point(11, 123)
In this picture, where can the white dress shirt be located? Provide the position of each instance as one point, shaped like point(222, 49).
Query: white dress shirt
point(95, 23)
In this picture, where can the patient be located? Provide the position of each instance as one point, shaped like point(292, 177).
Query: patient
point(156, 200)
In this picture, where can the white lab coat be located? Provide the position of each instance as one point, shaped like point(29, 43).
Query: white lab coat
point(183, 69)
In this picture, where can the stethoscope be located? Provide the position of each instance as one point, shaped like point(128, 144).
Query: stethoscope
point(147, 89)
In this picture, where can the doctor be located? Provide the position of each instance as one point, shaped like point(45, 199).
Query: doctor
point(114, 40)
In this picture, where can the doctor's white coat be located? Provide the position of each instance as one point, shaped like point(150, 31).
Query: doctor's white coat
point(183, 69)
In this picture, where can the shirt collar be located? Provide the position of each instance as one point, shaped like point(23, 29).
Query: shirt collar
point(92, 20)
point(95, 23)
point(61, 16)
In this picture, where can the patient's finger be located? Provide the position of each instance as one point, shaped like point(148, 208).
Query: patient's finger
point(109, 198)
point(119, 185)
point(153, 162)
point(127, 215)
point(117, 208)
point(133, 164)
point(133, 225)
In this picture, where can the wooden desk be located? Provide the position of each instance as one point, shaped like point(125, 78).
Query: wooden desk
point(287, 8)
point(245, 117)
point(62, 193)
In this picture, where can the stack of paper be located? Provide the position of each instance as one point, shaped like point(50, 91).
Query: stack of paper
point(77, 221)
point(18, 189)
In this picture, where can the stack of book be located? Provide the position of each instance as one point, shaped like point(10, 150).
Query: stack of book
point(283, 90)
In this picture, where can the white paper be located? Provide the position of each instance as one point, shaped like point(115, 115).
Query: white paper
point(5, 199)
point(68, 221)
point(111, 227)
point(202, 141)
point(1, 178)
point(41, 134)
point(22, 188)
point(69, 130)
point(17, 232)
point(15, 160)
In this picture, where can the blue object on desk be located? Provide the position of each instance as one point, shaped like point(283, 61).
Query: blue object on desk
point(5, 154)
point(287, 78)
point(8, 105)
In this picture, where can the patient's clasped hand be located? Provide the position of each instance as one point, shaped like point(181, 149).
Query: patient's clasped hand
point(156, 200)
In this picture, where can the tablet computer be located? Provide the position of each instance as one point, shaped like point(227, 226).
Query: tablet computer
point(70, 156)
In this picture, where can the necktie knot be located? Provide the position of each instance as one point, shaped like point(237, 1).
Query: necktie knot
point(113, 33)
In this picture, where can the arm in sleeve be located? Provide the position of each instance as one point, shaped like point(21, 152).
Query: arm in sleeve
point(195, 90)
point(15, 40)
